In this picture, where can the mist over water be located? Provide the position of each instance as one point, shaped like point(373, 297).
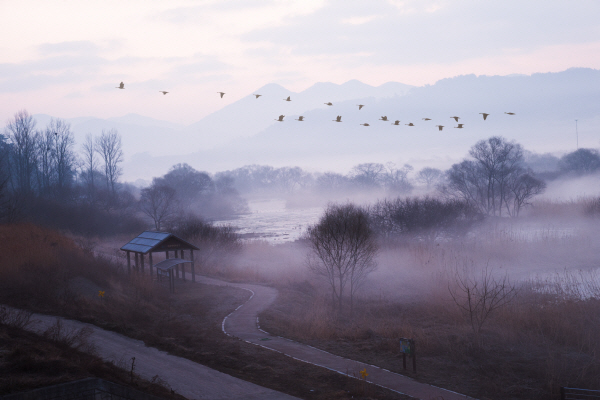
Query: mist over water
point(270, 220)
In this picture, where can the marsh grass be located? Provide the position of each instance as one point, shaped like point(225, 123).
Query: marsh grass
point(547, 336)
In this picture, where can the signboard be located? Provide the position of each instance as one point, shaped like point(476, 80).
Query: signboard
point(405, 346)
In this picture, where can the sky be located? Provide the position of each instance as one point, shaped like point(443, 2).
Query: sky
point(66, 57)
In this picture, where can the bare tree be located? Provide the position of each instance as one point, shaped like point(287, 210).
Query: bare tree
point(89, 164)
point(108, 145)
point(581, 161)
point(21, 133)
point(158, 202)
point(63, 157)
point(343, 250)
point(523, 188)
point(429, 176)
point(396, 179)
point(45, 167)
point(368, 174)
point(289, 178)
point(332, 182)
point(8, 203)
point(479, 297)
point(495, 179)
point(498, 159)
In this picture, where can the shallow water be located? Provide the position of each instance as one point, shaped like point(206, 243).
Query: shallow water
point(271, 221)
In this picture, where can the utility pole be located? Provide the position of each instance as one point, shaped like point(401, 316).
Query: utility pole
point(577, 134)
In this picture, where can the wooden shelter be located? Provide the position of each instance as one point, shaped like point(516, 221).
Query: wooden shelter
point(151, 242)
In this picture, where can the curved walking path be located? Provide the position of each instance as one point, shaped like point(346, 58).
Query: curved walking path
point(187, 378)
point(243, 323)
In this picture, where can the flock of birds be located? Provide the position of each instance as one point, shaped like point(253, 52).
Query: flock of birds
point(339, 117)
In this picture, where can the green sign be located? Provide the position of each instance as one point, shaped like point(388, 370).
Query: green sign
point(405, 346)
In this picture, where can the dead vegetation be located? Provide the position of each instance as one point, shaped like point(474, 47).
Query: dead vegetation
point(43, 271)
point(521, 338)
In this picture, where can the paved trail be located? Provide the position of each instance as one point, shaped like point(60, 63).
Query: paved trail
point(243, 324)
point(190, 379)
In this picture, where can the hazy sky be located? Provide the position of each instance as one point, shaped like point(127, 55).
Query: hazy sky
point(65, 58)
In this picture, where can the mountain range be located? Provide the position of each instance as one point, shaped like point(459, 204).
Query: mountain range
point(546, 106)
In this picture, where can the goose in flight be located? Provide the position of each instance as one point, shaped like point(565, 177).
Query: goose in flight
point(360, 106)
point(300, 118)
point(121, 86)
point(288, 99)
point(328, 103)
point(440, 127)
point(365, 124)
point(484, 115)
point(338, 119)
point(510, 113)
point(396, 122)
point(426, 119)
point(280, 119)
point(456, 118)
point(410, 124)
point(258, 95)
point(460, 126)
point(222, 94)
point(163, 92)
point(383, 118)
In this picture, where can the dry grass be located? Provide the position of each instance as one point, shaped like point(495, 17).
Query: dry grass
point(546, 337)
point(63, 279)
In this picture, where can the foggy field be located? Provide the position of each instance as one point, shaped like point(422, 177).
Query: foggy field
point(544, 338)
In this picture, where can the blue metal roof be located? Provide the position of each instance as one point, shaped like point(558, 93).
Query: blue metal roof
point(147, 241)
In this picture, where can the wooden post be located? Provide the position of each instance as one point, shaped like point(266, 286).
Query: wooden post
point(137, 265)
point(151, 264)
point(413, 353)
point(167, 254)
point(177, 266)
point(193, 270)
point(142, 261)
point(182, 266)
point(128, 263)
point(404, 360)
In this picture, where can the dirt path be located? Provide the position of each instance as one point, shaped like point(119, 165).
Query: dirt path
point(187, 378)
point(243, 323)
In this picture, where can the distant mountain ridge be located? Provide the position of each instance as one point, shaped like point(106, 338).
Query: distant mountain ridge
point(245, 132)
point(545, 106)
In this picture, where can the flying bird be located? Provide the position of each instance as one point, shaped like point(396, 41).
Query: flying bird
point(280, 119)
point(426, 119)
point(288, 99)
point(460, 126)
point(484, 115)
point(456, 118)
point(163, 92)
point(121, 86)
point(410, 124)
point(338, 119)
point(510, 113)
point(329, 103)
point(360, 106)
point(222, 94)
point(300, 118)
point(383, 118)
point(396, 122)
point(365, 124)
point(440, 127)
point(258, 95)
